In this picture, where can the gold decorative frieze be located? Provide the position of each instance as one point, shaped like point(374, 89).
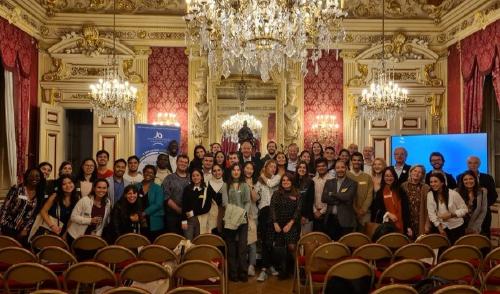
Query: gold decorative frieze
point(360, 79)
point(59, 73)
point(88, 42)
point(430, 78)
point(401, 48)
point(131, 75)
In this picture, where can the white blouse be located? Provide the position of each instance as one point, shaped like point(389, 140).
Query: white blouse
point(265, 191)
point(456, 205)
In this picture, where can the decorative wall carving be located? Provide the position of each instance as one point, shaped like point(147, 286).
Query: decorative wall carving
point(131, 75)
point(360, 79)
point(200, 123)
point(401, 48)
point(291, 115)
point(60, 72)
point(430, 78)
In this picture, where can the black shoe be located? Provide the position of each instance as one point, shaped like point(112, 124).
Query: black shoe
point(233, 279)
point(244, 278)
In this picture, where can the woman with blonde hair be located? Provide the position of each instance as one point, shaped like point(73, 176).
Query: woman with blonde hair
point(378, 168)
point(416, 190)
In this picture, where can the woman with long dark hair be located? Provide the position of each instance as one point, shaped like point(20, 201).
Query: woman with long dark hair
point(195, 202)
point(250, 180)
point(86, 177)
point(55, 214)
point(305, 185)
point(446, 209)
point(316, 153)
point(198, 154)
point(281, 162)
point(285, 211)
point(392, 203)
point(236, 224)
point(476, 200)
point(21, 206)
point(221, 160)
point(217, 190)
point(345, 156)
point(152, 202)
point(125, 215)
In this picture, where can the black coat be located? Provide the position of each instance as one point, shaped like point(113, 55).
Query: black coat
point(120, 222)
point(378, 208)
point(404, 174)
point(307, 194)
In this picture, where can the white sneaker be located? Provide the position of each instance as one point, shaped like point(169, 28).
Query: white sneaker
point(273, 271)
point(251, 270)
point(262, 276)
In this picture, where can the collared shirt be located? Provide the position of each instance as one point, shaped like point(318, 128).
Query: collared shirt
point(247, 159)
point(292, 165)
point(135, 179)
point(173, 162)
point(207, 176)
point(119, 187)
point(319, 185)
point(399, 170)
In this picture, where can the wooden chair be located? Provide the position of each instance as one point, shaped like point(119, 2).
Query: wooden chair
point(395, 289)
point(132, 241)
point(126, 290)
point(48, 291)
point(378, 255)
point(89, 273)
point(209, 254)
point(158, 254)
point(144, 272)
point(477, 240)
point(355, 240)
point(491, 260)
point(350, 269)
point(435, 241)
point(454, 270)
point(115, 256)
point(42, 241)
point(6, 241)
point(458, 289)
point(310, 240)
point(466, 253)
point(217, 241)
point(417, 251)
point(14, 255)
point(169, 240)
point(394, 241)
point(27, 274)
point(85, 247)
point(407, 271)
point(491, 281)
point(197, 272)
point(188, 290)
point(321, 260)
point(56, 258)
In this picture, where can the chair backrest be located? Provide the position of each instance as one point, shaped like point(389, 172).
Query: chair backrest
point(209, 239)
point(169, 240)
point(373, 252)
point(493, 275)
point(48, 291)
point(88, 272)
point(29, 273)
point(6, 241)
point(476, 240)
point(88, 243)
point(13, 255)
point(327, 255)
point(42, 241)
point(435, 241)
point(350, 269)
point(492, 259)
point(314, 237)
point(56, 255)
point(415, 251)
point(453, 270)
point(403, 272)
point(458, 289)
point(396, 289)
point(126, 290)
point(462, 252)
point(206, 253)
point(197, 271)
point(157, 253)
point(394, 240)
point(188, 290)
point(113, 255)
point(144, 272)
point(132, 241)
point(355, 240)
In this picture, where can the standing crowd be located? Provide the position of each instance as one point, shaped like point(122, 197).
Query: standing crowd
point(252, 202)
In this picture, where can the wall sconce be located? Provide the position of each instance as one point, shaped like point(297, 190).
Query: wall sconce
point(326, 129)
point(166, 119)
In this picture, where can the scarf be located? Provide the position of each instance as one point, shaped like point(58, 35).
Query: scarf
point(216, 184)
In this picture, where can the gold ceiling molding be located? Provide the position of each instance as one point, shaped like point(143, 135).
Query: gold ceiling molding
point(400, 9)
point(169, 7)
point(21, 18)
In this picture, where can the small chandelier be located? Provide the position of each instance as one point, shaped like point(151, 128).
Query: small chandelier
point(324, 126)
point(232, 125)
point(112, 95)
point(384, 99)
point(166, 119)
point(259, 35)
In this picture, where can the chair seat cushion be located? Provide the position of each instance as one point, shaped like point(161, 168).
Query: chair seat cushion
point(318, 277)
point(301, 260)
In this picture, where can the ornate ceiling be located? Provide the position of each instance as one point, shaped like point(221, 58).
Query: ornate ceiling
point(396, 9)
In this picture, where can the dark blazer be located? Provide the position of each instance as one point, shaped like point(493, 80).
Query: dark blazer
point(307, 195)
point(452, 184)
point(404, 174)
point(486, 181)
point(344, 200)
point(378, 208)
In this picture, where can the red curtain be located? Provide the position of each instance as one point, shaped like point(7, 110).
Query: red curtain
point(19, 54)
point(454, 103)
point(479, 57)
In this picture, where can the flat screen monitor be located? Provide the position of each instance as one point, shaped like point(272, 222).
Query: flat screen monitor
point(454, 147)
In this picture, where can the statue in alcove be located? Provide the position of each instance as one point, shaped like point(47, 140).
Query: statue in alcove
point(200, 121)
point(245, 133)
point(291, 114)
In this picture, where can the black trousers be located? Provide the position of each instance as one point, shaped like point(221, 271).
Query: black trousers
point(455, 233)
point(173, 223)
point(265, 233)
point(236, 241)
point(334, 229)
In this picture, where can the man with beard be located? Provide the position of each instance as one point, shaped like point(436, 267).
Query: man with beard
point(272, 147)
point(116, 182)
point(133, 175)
point(365, 189)
point(437, 162)
point(102, 158)
point(162, 170)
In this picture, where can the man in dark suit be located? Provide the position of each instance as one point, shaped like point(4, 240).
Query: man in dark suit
point(485, 181)
point(437, 162)
point(246, 155)
point(339, 194)
point(401, 168)
point(272, 147)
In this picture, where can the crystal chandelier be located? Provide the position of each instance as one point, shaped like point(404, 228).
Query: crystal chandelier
point(259, 35)
point(384, 99)
point(232, 125)
point(112, 95)
point(166, 119)
point(325, 126)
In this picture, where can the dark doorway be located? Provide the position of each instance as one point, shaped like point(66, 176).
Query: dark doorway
point(491, 124)
point(80, 133)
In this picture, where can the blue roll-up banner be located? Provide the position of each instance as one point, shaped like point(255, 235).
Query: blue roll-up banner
point(150, 140)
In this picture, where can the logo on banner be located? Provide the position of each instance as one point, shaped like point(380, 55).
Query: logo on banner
point(158, 135)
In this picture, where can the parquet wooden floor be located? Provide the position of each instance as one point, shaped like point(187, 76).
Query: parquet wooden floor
point(270, 286)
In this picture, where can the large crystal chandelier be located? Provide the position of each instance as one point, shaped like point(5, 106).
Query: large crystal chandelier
point(384, 99)
point(259, 35)
point(232, 125)
point(112, 95)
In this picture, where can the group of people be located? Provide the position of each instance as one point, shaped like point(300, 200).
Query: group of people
point(252, 202)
